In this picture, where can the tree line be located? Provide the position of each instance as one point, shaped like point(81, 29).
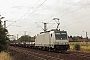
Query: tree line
point(24, 38)
point(75, 38)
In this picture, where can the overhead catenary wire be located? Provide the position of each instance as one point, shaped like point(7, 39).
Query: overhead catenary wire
point(39, 25)
point(11, 24)
point(34, 10)
point(63, 10)
point(78, 9)
point(77, 21)
point(71, 12)
point(79, 17)
point(29, 10)
point(38, 7)
point(74, 11)
point(25, 13)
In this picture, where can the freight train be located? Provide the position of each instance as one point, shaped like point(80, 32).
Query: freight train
point(53, 40)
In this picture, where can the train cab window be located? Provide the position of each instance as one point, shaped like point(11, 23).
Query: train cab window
point(61, 36)
point(51, 35)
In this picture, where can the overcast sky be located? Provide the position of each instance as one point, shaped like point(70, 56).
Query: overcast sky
point(74, 15)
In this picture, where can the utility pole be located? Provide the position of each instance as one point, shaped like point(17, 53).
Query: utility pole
point(86, 38)
point(17, 36)
point(86, 35)
point(25, 35)
point(1, 18)
point(25, 32)
point(45, 27)
point(5, 23)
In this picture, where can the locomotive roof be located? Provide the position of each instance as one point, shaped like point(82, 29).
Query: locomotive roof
point(55, 30)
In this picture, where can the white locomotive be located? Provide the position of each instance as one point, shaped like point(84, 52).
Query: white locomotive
point(52, 40)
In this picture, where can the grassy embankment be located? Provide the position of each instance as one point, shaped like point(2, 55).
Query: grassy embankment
point(5, 56)
point(85, 46)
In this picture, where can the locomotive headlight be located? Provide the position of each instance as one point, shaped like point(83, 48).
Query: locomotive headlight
point(66, 42)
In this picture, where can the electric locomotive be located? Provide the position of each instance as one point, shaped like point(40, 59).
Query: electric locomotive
point(54, 40)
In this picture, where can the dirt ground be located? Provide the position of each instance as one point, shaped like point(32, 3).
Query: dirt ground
point(19, 56)
point(22, 56)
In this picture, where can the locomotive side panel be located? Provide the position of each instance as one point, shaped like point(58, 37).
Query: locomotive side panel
point(46, 39)
point(42, 39)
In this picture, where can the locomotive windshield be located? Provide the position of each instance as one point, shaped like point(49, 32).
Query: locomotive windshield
point(60, 35)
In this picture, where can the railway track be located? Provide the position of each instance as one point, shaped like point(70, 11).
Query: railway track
point(44, 55)
point(36, 55)
point(80, 54)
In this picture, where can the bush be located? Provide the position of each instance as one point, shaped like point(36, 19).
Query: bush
point(77, 47)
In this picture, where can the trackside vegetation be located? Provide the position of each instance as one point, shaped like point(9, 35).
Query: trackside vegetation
point(3, 37)
point(77, 46)
point(5, 56)
point(81, 46)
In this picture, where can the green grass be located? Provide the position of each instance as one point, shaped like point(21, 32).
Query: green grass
point(85, 46)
